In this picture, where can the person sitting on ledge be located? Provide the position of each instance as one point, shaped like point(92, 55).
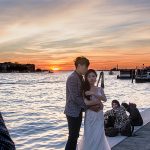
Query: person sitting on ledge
point(117, 120)
point(135, 116)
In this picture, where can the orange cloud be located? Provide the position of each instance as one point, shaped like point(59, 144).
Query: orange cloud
point(107, 32)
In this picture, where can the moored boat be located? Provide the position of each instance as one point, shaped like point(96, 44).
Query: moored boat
point(142, 75)
point(126, 74)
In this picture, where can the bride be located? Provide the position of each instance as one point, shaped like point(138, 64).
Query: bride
point(94, 135)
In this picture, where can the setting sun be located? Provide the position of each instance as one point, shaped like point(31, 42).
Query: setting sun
point(55, 68)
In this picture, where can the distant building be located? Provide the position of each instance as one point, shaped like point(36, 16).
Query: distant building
point(15, 67)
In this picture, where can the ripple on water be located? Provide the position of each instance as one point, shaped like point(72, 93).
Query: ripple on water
point(33, 105)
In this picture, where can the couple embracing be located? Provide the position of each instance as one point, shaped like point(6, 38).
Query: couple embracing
point(83, 96)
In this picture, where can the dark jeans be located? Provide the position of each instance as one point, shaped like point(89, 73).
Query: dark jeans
point(74, 124)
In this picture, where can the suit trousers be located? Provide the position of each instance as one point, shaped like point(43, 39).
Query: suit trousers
point(74, 124)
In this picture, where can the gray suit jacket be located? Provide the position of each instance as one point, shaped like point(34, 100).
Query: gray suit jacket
point(74, 96)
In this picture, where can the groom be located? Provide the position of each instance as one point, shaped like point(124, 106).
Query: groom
point(75, 102)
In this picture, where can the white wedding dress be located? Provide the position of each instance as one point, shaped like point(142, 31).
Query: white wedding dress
point(94, 135)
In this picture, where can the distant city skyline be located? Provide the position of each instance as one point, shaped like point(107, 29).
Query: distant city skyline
point(51, 34)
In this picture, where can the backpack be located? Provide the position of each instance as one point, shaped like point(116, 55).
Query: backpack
point(111, 132)
point(109, 127)
point(127, 130)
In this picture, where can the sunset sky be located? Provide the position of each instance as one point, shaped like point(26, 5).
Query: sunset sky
point(52, 33)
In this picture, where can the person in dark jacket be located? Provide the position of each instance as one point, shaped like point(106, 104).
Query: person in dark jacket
point(135, 116)
point(6, 142)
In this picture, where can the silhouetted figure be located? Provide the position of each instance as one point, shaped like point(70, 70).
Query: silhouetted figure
point(135, 116)
point(6, 142)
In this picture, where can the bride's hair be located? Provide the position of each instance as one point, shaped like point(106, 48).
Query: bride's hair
point(86, 86)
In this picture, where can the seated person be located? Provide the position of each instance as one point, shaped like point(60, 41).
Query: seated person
point(135, 116)
point(117, 118)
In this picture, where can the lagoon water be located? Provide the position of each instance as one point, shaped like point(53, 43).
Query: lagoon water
point(32, 105)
